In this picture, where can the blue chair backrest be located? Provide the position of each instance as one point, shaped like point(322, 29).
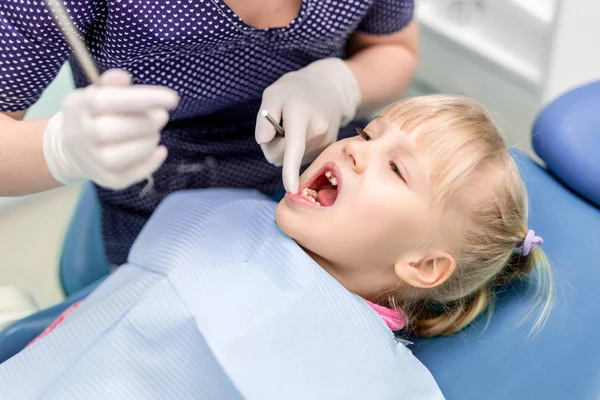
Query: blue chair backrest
point(83, 259)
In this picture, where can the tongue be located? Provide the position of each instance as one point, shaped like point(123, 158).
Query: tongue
point(327, 197)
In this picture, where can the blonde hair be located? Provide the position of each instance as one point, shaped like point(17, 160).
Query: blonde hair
point(484, 202)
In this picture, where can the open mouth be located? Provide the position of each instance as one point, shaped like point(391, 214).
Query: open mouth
point(323, 188)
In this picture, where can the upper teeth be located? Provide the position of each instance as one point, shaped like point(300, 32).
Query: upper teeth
point(332, 179)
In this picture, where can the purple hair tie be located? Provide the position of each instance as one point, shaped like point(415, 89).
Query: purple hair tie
point(530, 243)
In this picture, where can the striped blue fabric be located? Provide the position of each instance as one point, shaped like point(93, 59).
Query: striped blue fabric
point(216, 302)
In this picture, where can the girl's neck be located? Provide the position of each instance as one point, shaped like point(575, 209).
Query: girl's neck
point(340, 274)
point(395, 319)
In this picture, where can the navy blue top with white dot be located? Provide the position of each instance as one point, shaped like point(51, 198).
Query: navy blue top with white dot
point(219, 65)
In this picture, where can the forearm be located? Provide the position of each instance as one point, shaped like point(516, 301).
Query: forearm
point(17, 115)
point(23, 168)
point(383, 67)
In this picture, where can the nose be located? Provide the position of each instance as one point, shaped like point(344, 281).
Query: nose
point(355, 153)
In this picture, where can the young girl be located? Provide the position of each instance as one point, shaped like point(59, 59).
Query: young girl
point(429, 210)
point(418, 217)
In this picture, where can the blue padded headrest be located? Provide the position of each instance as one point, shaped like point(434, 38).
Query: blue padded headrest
point(566, 136)
point(563, 360)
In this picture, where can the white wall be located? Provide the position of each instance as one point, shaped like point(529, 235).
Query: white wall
point(573, 49)
point(478, 58)
point(513, 57)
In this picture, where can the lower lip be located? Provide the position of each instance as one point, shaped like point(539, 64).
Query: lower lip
point(299, 199)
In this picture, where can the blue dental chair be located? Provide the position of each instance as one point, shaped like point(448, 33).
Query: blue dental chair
point(499, 361)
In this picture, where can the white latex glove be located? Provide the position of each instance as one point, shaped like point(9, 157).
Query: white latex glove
point(314, 102)
point(109, 132)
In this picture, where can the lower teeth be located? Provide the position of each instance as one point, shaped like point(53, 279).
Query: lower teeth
point(310, 195)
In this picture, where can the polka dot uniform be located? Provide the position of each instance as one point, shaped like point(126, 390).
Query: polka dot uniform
point(219, 65)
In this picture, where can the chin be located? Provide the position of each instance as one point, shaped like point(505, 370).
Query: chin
point(289, 220)
point(294, 224)
point(281, 216)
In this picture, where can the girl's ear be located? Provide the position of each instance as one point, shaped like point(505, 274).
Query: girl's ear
point(427, 271)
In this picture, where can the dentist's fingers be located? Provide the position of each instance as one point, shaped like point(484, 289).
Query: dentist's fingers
point(138, 98)
point(110, 128)
point(318, 125)
point(161, 97)
point(295, 125)
point(264, 131)
point(115, 77)
point(149, 167)
point(136, 173)
point(273, 151)
point(122, 156)
point(99, 100)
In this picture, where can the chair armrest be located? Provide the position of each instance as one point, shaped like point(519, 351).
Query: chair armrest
point(16, 336)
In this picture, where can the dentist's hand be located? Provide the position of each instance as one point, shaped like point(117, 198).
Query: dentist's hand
point(109, 132)
point(314, 102)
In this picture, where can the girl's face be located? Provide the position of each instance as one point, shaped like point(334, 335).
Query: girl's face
point(371, 208)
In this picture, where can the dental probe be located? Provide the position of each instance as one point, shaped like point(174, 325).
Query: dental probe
point(82, 54)
point(279, 131)
point(71, 35)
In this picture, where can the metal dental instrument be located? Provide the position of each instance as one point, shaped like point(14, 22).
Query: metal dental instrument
point(279, 131)
point(61, 17)
point(72, 36)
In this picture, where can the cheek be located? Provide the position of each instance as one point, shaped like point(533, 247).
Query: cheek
point(397, 216)
point(331, 153)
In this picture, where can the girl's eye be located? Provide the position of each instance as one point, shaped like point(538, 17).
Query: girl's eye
point(363, 134)
point(396, 170)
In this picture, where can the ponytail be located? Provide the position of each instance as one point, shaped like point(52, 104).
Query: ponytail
point(453, 317)
point(538, 263)
point(518, 268)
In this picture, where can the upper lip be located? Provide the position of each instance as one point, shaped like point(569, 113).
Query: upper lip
point(329, 166)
